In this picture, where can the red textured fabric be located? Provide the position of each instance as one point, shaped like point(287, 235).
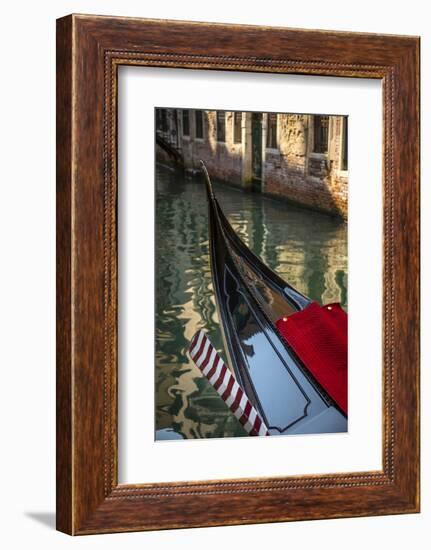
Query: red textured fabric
point(318, 335)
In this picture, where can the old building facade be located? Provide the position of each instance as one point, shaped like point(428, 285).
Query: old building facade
point(300, 158)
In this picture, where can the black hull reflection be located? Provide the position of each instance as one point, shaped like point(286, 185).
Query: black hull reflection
point(250, 298)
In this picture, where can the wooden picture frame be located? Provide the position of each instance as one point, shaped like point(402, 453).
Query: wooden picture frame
point(89, 51)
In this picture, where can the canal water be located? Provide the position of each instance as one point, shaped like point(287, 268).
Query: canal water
point(306, 248)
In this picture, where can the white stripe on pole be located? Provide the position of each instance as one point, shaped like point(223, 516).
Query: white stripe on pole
point(205, 356)
point(198, 343)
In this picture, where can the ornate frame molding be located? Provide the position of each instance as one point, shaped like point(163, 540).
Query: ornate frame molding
point(89, 498)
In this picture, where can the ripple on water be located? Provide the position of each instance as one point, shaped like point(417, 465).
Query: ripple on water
point(307, 249)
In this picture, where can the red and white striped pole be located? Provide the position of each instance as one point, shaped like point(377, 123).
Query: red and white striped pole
point(206, 358)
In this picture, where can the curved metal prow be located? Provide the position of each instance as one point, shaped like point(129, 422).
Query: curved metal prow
point(293, 296)
point(207, 180)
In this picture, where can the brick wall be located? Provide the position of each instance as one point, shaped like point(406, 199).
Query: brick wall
point(291, 171)
point(223, 159)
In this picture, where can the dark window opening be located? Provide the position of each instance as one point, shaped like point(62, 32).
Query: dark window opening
point(344, 145)
point(221, 126)
point(186, 122)
point(237, 131)
point(161, 120)
point(321, 126)
point(199, 125)
point(271, 134)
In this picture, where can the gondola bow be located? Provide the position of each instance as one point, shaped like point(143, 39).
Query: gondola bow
point(251, 299)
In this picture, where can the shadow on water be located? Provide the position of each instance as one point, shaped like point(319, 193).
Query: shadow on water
point(307, 249)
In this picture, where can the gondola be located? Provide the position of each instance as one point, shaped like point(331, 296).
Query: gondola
point(251, 299)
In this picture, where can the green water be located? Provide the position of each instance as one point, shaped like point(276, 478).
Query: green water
point(307, 249)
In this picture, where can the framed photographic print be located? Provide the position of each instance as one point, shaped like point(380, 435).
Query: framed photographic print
point(237, 274)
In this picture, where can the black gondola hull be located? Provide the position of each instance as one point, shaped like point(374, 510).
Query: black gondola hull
point(247, 293)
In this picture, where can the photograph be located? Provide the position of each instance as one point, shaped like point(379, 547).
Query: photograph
point(211, 275)
point(251, 271)
point(237, 281)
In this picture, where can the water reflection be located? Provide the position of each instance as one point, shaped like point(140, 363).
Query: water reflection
point(307, 249)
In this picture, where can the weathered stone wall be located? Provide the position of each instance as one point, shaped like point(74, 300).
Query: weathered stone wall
point(223, 159)
point(292, 171)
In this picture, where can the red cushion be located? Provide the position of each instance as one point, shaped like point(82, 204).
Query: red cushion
point(318, 335)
